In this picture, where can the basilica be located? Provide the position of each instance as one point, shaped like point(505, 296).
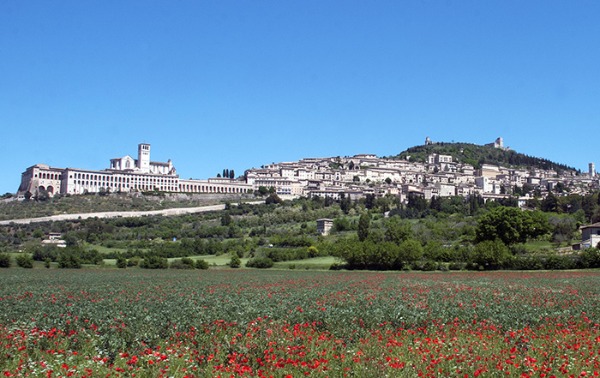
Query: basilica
point(125, 174)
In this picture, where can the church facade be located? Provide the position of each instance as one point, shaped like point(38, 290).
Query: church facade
point(125, 174)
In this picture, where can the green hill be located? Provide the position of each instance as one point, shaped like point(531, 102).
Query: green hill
point(477, 155)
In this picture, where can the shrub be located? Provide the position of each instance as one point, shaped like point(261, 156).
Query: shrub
point(429, 266)
point(4, 260)
point(313, 251)
point(336, 266)
point(40, 253)
point(121, 262)
point(154, 262)
point(260, 262)
point(235, 262)
point(286, 254)
point(556, 262)
point(184, 263)
point(491, 254)
point(134, 261)
point(590, 258)
point(68, 261)
point(410, 250)
point(526, 263)
point(201, 264)
point(456, 266)
point(24, 261)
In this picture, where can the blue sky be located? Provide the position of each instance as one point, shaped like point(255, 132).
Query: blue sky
point(237, 84)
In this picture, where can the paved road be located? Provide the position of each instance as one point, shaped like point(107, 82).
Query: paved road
point(116, 214)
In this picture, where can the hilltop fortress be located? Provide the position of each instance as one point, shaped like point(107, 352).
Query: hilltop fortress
point(354, 177)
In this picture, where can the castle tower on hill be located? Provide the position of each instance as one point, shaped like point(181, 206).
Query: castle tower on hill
point(499, 144)
point(144, 157)
point(592, 169)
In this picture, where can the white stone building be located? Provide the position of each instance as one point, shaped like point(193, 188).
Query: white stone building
point(124, 175)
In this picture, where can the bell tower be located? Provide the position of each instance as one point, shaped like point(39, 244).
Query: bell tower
point(144, 157)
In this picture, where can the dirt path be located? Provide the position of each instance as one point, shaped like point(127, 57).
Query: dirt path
point(117, 214)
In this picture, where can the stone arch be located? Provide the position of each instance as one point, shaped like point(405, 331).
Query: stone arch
point(50, 189)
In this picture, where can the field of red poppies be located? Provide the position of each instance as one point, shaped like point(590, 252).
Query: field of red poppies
point(251, 323)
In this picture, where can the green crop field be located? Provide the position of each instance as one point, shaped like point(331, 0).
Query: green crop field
point(291, 323)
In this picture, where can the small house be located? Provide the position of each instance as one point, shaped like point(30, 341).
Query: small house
point(590, 235)
point(324, 226)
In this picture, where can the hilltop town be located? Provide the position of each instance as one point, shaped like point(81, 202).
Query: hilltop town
point(354, 177)
point(438, 175)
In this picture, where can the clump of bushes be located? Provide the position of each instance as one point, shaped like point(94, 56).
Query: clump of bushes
point(235, 261)
point(69, 261)
point(24, 261)
point(260, 263)
point(4, 260)
point(121, 262)
point(154, 262)
point(183, 263)
point(201, 264)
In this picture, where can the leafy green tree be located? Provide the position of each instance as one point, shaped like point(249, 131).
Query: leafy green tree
point(154, 262)
point(370, 201)
point(590, 258)
point(68, 260)
point(42, 195)
point(226, 219)
point(435, 203)
point(550, 203)
point(273, 199)
point(398, 230)
point(183, 263)
point(511, 225)
point(364, 223)
point(260, 263)
point(345, 203)
point(435, 251)
point(491, 254)
point(589, 206)
point(235, 261)
point(416, 202)
point(4, 260)
point(563, 228)
point(38, 234)
point(201, 264)
point(24, 261)
point(410, 251)
point(121, 262)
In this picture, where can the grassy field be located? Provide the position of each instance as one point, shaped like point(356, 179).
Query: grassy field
point(313, 263)
point(291, 323)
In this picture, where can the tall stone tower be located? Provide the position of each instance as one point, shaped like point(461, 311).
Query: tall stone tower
point(592, 168)
point(499, 143)
point(144, 157)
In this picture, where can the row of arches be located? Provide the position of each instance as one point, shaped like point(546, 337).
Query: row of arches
point(49, 176)
point(191, 188)
point(49, 189)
